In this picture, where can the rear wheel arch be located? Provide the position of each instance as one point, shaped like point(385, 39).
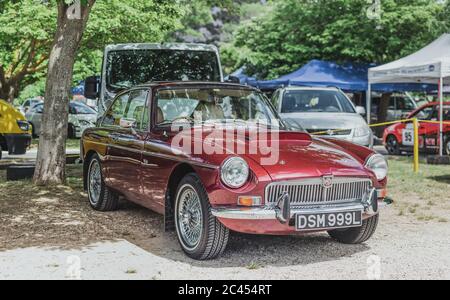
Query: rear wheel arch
point(178, 173)
point(86, 163)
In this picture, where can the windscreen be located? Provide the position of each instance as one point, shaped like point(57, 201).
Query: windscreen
point(127, 68)
point(327, 101)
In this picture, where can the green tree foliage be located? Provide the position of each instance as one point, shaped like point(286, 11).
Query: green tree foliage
point(28, 27)
point(338, 30)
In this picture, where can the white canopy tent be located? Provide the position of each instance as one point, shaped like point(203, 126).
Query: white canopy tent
point(429, 65)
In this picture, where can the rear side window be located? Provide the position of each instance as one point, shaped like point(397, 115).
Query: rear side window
point(131, 106)
point(135, 109)
point(116, 111)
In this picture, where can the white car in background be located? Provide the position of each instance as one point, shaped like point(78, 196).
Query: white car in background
point(320, 110)
point(29, 103)
point(81, 117)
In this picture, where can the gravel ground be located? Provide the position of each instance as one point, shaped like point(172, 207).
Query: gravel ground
point(404, 247)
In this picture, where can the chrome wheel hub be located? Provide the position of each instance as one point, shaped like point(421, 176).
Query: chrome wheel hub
point(190, 218)
point(95, 182)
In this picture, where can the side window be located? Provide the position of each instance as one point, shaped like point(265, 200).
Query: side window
point(392, 103)
point(39, 109)
point(116, 111)
point(276, 100)
point(135, 109)
point(426, 114)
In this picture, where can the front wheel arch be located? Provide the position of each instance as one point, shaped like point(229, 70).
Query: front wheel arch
point(178, 173)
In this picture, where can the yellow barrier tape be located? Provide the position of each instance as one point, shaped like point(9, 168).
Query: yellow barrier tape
point(329, 132)
point(416, 123)
point(371, 125)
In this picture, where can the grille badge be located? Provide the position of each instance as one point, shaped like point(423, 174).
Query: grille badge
point(327, 181)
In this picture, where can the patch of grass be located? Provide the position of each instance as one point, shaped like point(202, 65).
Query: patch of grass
point(131, 271)
point(426, 218)
point(412, 210)
point(253, 266)
point(405, 186)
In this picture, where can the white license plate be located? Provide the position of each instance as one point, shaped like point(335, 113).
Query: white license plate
point(332, 220)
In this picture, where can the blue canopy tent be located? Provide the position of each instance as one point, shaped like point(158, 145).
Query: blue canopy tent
point(348, 77)
point(79, 89)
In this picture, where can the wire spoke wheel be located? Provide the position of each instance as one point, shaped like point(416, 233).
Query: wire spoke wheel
point(95, 182)
point(190, 217)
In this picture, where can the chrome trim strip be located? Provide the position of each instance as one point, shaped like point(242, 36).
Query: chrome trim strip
point(164, 156)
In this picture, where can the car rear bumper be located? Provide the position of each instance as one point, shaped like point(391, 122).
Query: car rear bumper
point(17, 143)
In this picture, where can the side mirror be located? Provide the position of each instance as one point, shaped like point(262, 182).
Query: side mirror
point(127, 123)
point(234, 79)
point(91, 87)
point(361, 110)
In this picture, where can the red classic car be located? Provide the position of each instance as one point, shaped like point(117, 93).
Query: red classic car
point(215, 157)
point(400, 137)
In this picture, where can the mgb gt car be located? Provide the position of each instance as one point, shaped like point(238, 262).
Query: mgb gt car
point(215, 157)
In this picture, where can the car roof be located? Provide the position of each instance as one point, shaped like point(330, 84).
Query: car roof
point(194, 84)
point(310, 88)
point(431, 104)
point(162, 46)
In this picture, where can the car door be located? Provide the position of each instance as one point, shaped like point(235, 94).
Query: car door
point(126, 142)
point(34, 116)
point(427, 131)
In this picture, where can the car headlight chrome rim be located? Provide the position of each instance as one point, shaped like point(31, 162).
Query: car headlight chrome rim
point(378, 164)
point(234, 172)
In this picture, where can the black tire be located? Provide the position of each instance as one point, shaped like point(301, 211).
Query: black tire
point(33, 131)
point(214, 236)
point(71, 132)
point(356, 235)
point(108, 200)
point(392, 145)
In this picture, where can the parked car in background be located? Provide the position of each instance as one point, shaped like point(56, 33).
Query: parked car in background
point(81, 117)
point(400, 106)
point(400, 137)
point(320, 110)
point(313, 184)
point(15, 131)
point(29, 103)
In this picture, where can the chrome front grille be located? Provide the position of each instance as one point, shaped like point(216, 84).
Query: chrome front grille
point(313, 191)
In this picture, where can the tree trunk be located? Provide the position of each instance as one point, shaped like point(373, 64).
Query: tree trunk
point(51, 160)
point(9, 92)
point(383, 112)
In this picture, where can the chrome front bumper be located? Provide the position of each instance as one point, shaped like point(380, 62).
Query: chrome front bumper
point(284, 214)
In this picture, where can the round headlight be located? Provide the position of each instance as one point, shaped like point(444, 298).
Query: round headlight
point(234, 172)
point(378, 164)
